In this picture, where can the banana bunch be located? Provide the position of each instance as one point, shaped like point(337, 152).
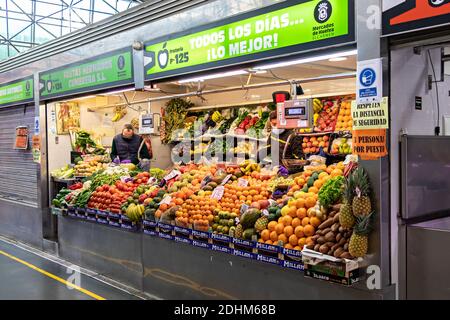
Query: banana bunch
point(217, 117)
point(280, 181)
point(316, 118)
point(248, 167)
point(119, 113)
point(317, 105)
point(134, 212)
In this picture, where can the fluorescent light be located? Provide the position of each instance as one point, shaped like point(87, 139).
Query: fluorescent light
point(307, 60)
point(214, 76)
point(338, 59)
point(85, 97)
point(117, 91)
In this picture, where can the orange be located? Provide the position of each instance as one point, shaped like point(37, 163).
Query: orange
point(302, 242)
point(288, 231)
point(265, 235)
point(261, 240)
point(299, 231)
point(287, 220)
point(283, 238)
point(300, 203)
point(293, 240)
point(315, 222)
point(279, 228)
point(271, 226)
point(288, 246)
point(301, 213)
point(305, 221)
point(273, 236)
point(313, 190)
point(336, 173)
point(296, 222)
point(297, 248)
point(293, 211)
point(310, 202)
point(309, 241)
point(318, 184)
point(322, 175)
point(308, 230)
point(269, 242)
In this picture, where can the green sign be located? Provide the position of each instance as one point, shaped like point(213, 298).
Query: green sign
point(101, 72)
point(16, 92)
point(286, 28)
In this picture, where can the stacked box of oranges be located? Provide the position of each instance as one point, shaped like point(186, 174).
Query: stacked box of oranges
point(294, 228)
point(197, 210)
point(344, 119)
point(235, 195)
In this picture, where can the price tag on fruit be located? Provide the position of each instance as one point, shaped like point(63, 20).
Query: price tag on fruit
point(227, 178)
point(218, 193)
point(242, 182)
point(174, 173)
point(264, 212)
point(166, 200)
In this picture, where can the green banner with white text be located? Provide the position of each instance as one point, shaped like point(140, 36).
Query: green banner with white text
point(16, 92)
point(105, 71)
point(286, 28)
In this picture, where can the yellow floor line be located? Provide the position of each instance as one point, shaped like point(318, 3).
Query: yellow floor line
point(52, 276)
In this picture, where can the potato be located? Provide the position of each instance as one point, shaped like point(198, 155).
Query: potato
point(315, 237)
point(330, 237)
point(342, 241)
point(325, 231)
point(324, 249)
point(316, 247)
point(331, 214)
point(330, 244)
point(341, 229)
point(328, 223)
point(335, 227)
point(310, 247)
point(346, 246)
point(338, 252)
point(336, 218)
point(321, 240)
point(336, 207)
point(346, 255)
point(338, 237)
point(330, 253)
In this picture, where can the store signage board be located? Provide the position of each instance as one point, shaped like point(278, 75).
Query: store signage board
point(369, 80)
point(370, 144)
point(17, 92)
point(373, 115)
point(408, 15)
point(278, 30)
point(105, 71)
point(21, 141)
point(36, 148)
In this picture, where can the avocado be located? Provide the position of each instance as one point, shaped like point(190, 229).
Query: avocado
point(239, 174)
point(273, 210)
point(230, 222)
point(161, 193)
point(315, 176)
point(157, 200)
point(310, 182)
point(272, 217)
point(213, 184)
point(248, 233)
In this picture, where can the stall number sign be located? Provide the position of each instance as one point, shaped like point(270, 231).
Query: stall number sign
point(370, 144)
point(369, 81)
point(370, 115)
point(309, 23)
point(102, 72)
point(16, 92)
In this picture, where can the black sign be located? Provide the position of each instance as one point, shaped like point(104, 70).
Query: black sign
point(418, 103)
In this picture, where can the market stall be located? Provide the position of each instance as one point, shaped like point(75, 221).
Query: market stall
point(229, 193)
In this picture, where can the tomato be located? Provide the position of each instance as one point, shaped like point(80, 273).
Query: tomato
point(139, 181)
point(146, 174)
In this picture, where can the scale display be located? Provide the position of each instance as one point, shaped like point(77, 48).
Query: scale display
point(294, 114)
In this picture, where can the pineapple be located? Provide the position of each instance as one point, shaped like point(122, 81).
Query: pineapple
point(238, 232)
point(361, 202)
point(346, 217)
point(359, 240)
point(261, 223)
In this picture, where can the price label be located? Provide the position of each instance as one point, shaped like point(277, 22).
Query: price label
point(227, 178)
point(218, 193)
point(174, 173)
point(166, 200)
point(242, 182)
point(265, 213)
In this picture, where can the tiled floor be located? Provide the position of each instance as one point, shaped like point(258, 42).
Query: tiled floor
point(25, 275)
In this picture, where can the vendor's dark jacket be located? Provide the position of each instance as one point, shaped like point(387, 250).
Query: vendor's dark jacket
point(127, 149)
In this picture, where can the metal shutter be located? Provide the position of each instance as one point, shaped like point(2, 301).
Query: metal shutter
point(18, 172)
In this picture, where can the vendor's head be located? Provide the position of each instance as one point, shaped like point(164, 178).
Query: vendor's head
point(273, 118)
point(128, 131)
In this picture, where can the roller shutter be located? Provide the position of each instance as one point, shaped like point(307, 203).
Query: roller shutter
point(18, 172)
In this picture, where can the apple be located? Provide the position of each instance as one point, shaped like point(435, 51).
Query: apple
point(163, 57)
